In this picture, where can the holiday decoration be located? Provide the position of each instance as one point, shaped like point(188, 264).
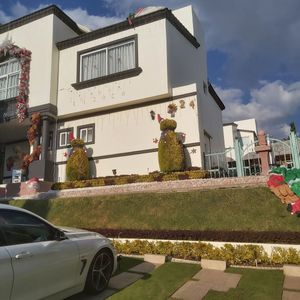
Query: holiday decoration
point(33, 131)
point(152, 114)
point(155, 141)
point(285, 184)
point(170, 148)
point(172, 109)
point(24, 57)
point(33, 183)
point(159, 118)
point(78, 162)
point(29, 158)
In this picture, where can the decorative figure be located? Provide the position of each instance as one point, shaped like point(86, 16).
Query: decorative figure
point(193, 151)
point(172, 109)
point(155, 141)
point(159, 118)
point(170, 148)
point(114, 171)
point(33, 183)
point(182, 104)
point(152, 114)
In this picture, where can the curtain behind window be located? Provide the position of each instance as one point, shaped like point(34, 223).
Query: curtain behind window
point(93, 65)
point(121, 58)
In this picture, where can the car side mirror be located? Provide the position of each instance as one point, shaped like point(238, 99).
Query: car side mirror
point(60, 235)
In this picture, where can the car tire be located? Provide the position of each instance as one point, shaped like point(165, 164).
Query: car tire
point(100, 272)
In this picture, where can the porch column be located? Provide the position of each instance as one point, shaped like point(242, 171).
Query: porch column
point(263, 150)
point(45, 137)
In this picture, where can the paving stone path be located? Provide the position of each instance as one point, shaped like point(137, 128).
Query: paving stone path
point(291, 288)
point(204, 281)
point(120, 281)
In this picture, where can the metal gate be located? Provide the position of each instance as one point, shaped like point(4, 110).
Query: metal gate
point(242, 160)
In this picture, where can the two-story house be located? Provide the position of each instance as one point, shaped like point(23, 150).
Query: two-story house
point(108, 87)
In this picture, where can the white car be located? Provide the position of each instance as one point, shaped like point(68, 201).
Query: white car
point(41, 261)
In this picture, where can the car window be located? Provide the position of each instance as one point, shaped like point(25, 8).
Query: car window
point(2, 240)
point(22, 228)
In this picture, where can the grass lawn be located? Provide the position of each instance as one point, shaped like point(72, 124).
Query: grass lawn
point(161, 284)
point(255, 209)
point(254, 285)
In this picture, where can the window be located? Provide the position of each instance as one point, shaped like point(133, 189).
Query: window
point(9, 78)
point(87, 133)
point(64, 137)
point(108, 60)
point(22, 228)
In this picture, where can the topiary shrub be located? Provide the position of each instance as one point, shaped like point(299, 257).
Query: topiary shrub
point(78, 163)
point(170, 148)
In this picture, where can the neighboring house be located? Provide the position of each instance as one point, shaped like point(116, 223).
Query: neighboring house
point(245, 131)
point(105, 86)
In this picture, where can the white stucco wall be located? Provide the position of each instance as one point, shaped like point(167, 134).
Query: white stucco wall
point(133, 130)
point(39, 37)
point(249, 124)
point(187, 65)
point(150, 84)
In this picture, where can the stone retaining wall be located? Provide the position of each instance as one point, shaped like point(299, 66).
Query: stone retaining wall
point(160, 187)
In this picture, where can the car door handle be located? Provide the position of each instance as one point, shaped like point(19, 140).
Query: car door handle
point(23, 255)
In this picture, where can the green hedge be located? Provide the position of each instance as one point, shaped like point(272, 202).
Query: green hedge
point(234, 255)
point(125, 179)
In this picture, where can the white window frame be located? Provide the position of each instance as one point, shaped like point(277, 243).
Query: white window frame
point(131, 41)
point(7, 75)
point(86, 135)
point(66, 139)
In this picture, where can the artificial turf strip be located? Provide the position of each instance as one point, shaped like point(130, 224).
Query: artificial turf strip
point(254, 209)
point(159, 285)
point(254, 285)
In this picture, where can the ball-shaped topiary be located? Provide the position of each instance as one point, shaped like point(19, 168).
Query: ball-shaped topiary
point(170, 148)
point(168, 124)
point(78, 163)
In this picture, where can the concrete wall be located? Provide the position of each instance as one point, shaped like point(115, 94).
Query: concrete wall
point(150, 84)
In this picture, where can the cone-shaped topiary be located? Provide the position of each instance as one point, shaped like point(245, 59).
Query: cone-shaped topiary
point(78, 163)
point(170, 148)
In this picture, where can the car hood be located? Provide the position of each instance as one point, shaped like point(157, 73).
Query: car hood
point(76, 233)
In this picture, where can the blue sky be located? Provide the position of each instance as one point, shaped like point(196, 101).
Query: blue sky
point(253, 49)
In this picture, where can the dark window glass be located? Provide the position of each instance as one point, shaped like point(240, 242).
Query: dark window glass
point(22, 228)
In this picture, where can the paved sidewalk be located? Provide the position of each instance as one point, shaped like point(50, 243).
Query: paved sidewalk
point(204, 281)
point(291, 288)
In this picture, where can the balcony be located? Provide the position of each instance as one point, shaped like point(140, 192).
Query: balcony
point(7, 109)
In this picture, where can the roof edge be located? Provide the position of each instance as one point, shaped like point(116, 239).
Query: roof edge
point(52, 9)
point(215, 96)
point(124, 25)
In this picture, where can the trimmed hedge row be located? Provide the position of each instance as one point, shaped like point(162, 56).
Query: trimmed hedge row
point(275, 237)
point(124, 179)
point(238, 255)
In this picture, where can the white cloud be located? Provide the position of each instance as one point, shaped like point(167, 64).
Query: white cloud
point(274, 105)
point(4, 18)
point(82, 17)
